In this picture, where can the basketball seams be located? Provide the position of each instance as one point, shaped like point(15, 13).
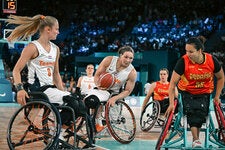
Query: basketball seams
point(110, 77)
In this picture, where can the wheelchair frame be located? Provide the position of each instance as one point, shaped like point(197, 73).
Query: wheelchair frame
point(40, 130)
point(174, 134)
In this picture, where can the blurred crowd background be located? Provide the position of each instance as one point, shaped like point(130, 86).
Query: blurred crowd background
point(88, 26)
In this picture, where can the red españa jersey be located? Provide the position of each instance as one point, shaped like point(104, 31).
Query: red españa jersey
point(197, 78)
point(161, 91)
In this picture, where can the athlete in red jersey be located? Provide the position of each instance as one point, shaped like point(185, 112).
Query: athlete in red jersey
point(159, 91)
point(194, 73)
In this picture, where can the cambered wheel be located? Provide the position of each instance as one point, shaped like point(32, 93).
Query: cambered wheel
point(120, 121)
point(149, 116)
point(35, 125)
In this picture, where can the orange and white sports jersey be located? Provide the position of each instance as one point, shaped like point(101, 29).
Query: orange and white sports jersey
point(121, 76)
point(43, 65)
point(87, 83)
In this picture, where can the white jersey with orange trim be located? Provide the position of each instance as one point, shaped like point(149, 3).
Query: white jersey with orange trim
point(42, 65)
point(121, 76)
point(87, 84)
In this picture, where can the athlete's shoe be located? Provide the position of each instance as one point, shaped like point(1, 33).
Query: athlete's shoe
point(197, 144)
point(99, 127)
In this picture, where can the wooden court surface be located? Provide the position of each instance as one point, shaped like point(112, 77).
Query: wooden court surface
point(7, 110)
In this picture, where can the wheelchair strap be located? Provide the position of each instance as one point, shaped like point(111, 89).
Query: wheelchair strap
point(40, 89)
point(45, 87)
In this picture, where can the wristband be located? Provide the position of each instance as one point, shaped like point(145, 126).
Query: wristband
point(19, 87)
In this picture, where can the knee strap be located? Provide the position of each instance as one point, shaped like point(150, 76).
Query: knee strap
point(76, 103)
point(92, 101)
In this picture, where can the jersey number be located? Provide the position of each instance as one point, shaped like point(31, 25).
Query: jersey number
point(49, 72)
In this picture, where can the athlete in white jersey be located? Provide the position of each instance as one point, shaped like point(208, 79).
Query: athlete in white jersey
point(125, 74)
point(41, 70)
point(43, 65)
point(41, 57)
point(120, 76)
point(86, 83)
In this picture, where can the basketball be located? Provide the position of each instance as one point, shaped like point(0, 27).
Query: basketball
point(106, 80)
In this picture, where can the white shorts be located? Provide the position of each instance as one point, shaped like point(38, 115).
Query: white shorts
point(55, 95)
point(102, 95)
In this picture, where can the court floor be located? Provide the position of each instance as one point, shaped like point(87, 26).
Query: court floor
point(142, 141)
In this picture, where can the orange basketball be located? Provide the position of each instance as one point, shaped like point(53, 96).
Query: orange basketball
point(106, 80)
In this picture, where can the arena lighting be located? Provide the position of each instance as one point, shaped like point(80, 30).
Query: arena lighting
point(206, 20)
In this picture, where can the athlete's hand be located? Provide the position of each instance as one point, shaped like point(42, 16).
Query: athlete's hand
point(21, 97)
point(101, 88)
point(111, 101)
point(217, 100)
point(169, 110)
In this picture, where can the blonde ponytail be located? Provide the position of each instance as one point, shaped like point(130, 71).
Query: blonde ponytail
point(28, 26)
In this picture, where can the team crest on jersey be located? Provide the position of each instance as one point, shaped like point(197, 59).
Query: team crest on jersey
point(49, 57)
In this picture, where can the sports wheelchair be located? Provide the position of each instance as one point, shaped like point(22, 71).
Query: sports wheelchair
point(174, 132)
point(152, 115)
point(37, 125)
point(119, 120)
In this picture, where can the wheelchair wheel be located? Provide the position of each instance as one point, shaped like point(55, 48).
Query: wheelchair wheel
point(149, 115)
point(35, 125)
point(220, 117)
point(120, 121)
point(165, 129)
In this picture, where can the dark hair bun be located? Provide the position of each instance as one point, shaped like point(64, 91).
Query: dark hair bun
point(202, 39)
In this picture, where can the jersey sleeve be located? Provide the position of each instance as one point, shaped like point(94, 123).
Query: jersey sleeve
point(179, 67)
point(217, 65)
